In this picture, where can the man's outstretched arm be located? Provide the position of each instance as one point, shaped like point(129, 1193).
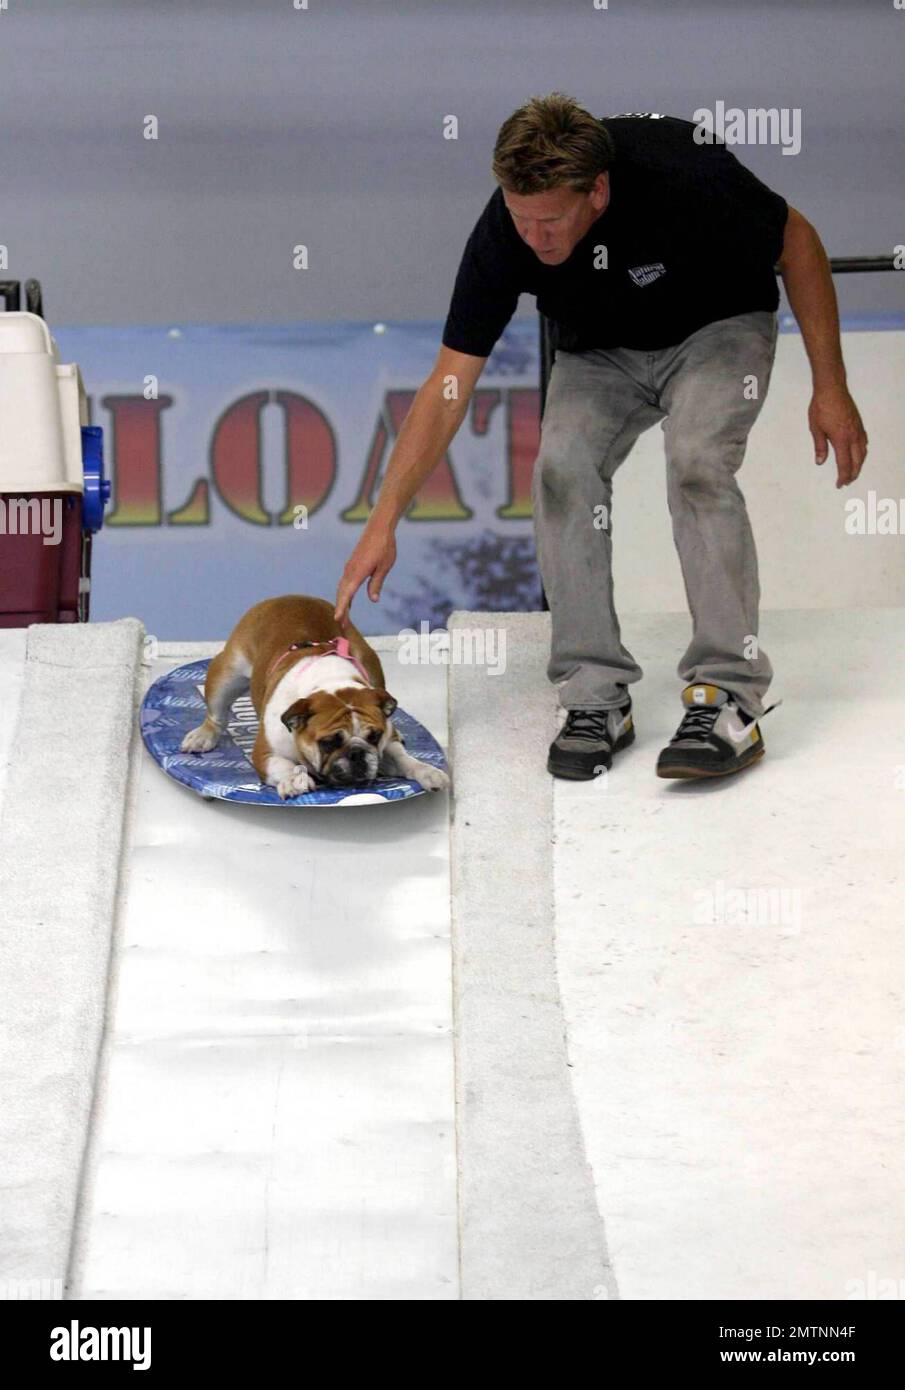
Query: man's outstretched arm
point(435, 415)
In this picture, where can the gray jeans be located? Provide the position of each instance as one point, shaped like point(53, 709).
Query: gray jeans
point(598, 403)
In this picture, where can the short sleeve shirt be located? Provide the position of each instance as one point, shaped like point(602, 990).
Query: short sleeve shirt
point(690, 236)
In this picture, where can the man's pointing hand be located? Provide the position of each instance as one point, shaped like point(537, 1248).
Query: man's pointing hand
point(372, 559)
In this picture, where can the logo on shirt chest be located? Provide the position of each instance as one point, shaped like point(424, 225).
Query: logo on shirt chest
point(646, 274)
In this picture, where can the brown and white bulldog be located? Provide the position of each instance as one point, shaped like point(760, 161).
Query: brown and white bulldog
point(322, 705)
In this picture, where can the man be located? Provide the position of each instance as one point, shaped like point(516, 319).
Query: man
point(654, 256)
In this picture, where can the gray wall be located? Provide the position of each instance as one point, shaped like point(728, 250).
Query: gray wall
point(324, 127)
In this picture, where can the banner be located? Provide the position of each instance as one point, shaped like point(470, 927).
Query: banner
point(245, 461)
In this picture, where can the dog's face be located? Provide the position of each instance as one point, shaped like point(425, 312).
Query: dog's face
point(340, 737)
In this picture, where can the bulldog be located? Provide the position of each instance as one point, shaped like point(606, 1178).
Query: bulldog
point(323, 708)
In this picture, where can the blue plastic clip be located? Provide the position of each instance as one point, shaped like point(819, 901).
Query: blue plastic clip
point(97, 487)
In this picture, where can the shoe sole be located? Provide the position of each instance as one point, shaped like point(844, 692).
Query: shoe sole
point(692, 773)
point(572, 774)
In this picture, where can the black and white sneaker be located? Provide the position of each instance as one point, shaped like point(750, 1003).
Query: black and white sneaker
point(585, 744)
point(714, 738)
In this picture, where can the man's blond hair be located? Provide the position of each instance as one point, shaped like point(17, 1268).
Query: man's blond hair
point(550, 142)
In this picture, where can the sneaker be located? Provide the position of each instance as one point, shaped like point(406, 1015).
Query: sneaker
point(585, 744)
point(714, 738)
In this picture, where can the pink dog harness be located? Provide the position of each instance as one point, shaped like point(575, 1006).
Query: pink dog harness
point(337, 646)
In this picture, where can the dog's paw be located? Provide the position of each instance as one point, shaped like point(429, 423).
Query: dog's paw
point(432, 779)
point(296, 782)
point(200, 740)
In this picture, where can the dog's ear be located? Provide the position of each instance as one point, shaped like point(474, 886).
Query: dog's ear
point(385, 701)
point(297, 715)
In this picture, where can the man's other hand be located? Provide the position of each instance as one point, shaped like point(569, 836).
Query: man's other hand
point(834, 416)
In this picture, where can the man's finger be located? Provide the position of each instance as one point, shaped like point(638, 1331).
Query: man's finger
point(840, 449)
point(859, 453)
point(381, 570)
point(344, 596)
point(820, 446)
point(846, 461)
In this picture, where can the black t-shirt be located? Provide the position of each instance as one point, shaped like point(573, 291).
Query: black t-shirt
point(691, 236)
